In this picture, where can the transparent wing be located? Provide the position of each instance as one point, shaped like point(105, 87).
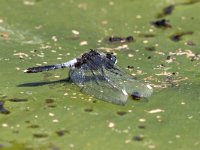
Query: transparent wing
point(128, 82)
point(92, 82)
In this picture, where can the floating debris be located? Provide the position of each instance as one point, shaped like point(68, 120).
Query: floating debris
point(33, 126)
point(189, 2)
point(62, 132)
point(115, 39)
point(53, 51)
point(55, 120)
point(40, 135)
point(107, 49)
point(1, 20)
point(138, 138)
point(38, 27)
point(162, 23)
point(57, 76)
point(142, 126)
point(104, 22)
point(50, 103)
point(121, 113)
point(83, 6)
point(18, 100)
point(129, 38)
point(190, 43)
point(17, 68)
point(138, 17)
point(150, 48)
point(111, 3)
point(130, 55)
point(71, 145)
point(4, 125)
point(51, 114)
point(83, 43)
point(142, 120)
point(149, 57)
point(130, 67)
point(178, 36)
point(111, 125)
point(146, 35)
point(75, 32)
point(54, 38)
point(122, 47)
point(4, 35)
point(21, 55)
point(169, 9)
point(66, 94)
point(156, 111)
point(88, 109)
point(45, 46)
point(180, 52)
point(166, 11)
point(29, 2)
point(145, 41)
point(168, 57)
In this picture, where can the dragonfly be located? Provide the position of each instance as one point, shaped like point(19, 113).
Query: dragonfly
point(97, 74)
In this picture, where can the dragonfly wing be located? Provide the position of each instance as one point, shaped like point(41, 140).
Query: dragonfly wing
point(92, 82)
point(128, 82)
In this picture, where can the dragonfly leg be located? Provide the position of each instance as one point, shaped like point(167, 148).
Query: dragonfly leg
point(115, 69)
point(95, 76)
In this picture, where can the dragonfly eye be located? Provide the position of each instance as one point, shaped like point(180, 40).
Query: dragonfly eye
point(111, 57)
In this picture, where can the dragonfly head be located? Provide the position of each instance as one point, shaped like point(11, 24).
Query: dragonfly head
point(111, 57)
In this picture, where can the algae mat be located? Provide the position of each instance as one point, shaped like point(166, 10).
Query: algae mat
point(43, 111)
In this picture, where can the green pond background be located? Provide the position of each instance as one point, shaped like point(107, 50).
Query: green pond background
point(40, 113)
